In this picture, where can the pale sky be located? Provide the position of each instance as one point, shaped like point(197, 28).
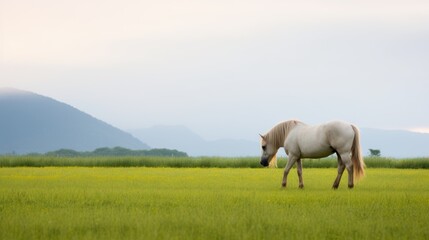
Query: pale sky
point(225, 69)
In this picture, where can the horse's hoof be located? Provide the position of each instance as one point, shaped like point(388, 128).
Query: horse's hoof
point(301, 186)
point(351, 186)
point(284, 185)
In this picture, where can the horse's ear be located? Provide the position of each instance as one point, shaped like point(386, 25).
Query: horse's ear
point(262, 136)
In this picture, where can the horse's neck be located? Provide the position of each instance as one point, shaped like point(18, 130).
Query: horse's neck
point(282, 131)
point(279, 134)
point(280, 141)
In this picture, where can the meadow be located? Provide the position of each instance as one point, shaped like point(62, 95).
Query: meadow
point(209, 203)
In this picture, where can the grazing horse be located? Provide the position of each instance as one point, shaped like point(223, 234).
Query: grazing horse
point(304, 141)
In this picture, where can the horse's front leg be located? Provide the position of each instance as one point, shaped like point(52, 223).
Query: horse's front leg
point(299, 171)
point(289, 165)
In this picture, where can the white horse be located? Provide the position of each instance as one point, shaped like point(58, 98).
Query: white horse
point(303, 141)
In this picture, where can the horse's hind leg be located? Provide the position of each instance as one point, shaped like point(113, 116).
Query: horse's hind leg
point(299, 171)
point(349, 166)
point(341, 167)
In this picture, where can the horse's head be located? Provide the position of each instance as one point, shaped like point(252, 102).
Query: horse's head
point(268, 151)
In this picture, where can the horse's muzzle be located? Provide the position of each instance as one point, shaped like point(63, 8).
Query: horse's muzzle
point(264, 162)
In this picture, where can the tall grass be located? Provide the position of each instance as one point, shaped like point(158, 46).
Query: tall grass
point(174, 162)
point(194, 162)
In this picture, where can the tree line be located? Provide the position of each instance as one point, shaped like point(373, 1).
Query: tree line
point(116, 151)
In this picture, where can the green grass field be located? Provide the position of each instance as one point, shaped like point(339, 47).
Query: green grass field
point(210, 203)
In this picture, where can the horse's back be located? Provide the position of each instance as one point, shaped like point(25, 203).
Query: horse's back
point(320, 140)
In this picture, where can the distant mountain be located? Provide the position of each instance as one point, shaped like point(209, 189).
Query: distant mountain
point(398, 144)
point(183, 139)
point(395, 143)
point(34, 123)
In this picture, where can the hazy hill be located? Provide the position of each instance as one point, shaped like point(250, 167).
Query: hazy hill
point(34, 123)
point(183, 139)
point(399, 144)
point(395, 143)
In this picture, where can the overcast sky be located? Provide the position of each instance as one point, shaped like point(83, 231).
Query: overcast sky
point(223, 68)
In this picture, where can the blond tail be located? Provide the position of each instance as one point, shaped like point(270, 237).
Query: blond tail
point(358, 164)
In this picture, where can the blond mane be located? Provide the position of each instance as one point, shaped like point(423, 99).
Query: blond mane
point(278, 133)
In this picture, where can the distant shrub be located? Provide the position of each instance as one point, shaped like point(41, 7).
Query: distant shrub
point(374, 152)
